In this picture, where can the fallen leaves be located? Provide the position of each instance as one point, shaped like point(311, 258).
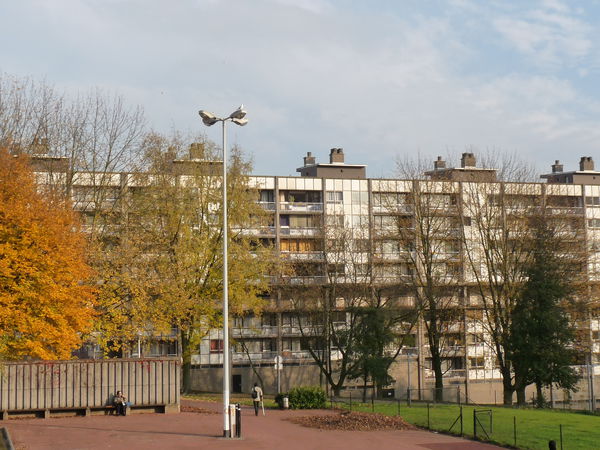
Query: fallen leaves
point(353, 421)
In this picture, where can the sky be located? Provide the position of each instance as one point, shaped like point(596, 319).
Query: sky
point(382, 79)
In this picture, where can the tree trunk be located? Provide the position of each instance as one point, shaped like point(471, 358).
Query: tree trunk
point(540, 400)
point(436, 363)
point(186, 367)
point(521, 399)
point(507, 386)
point(519, 388)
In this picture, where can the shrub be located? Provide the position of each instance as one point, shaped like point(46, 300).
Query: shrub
point(309, 397)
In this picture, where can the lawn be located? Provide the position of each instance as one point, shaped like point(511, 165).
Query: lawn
point(534, 427)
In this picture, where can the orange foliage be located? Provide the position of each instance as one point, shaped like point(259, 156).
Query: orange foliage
point(45, 305)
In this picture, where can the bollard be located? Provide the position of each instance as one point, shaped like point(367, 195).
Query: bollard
point(238, 421)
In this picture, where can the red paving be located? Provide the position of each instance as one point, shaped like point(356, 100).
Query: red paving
point(194, 430)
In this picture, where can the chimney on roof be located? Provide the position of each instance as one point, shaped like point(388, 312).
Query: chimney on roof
point(586, 163)
point(557, 167)
point(467, 160)
point(336, 156)
point(439, 163)
point(309, 159)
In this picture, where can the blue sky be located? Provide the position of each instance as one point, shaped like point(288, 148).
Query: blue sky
point(382, 79)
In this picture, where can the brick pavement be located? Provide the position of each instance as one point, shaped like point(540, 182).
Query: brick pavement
point(189, 430)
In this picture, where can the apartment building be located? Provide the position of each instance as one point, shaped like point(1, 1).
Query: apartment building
point(376, 221)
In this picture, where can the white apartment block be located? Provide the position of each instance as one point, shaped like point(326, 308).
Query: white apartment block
point(335, 195)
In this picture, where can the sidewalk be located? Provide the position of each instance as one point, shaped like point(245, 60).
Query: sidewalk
point(190, 430)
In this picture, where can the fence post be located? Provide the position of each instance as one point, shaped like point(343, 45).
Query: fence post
point(458, 394)
point(474, 424)
point(350, 401)
point(428, 421)
point(461, 421)
point(515, 429)
point(398, 406)
point(408, 396)
point(561, 440)
point(372, 401)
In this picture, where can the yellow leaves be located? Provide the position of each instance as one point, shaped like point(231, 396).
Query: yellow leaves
point(44, 304)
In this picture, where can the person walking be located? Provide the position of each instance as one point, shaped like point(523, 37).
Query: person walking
point(257, 398)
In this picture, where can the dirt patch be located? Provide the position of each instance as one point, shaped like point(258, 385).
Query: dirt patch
point(197, 410)
point(353, 421)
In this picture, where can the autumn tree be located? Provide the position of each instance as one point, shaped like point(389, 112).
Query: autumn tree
point(45, 304)
point(174, 235)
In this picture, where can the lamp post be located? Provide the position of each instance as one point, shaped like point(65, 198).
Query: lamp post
point(210, 119)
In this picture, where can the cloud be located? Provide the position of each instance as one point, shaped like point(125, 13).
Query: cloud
point(551, 35)
point(320, 74)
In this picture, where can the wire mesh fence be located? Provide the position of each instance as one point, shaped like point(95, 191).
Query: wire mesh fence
point(520, 428)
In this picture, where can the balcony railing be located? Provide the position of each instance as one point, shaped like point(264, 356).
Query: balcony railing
point(304, 256)
point(303, 232)
point(263, 331)
point(300, 206)
point(269, 206)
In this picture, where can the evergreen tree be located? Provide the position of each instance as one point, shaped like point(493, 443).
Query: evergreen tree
point(542, 336)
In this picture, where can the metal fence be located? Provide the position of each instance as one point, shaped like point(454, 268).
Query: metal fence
point(47, 385)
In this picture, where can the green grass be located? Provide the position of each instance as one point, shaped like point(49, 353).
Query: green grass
point(534, 427)
point(242, 399)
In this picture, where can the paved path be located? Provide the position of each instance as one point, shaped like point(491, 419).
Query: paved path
point(189, 430)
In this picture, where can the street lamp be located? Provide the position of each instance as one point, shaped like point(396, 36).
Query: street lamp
point(210, 119)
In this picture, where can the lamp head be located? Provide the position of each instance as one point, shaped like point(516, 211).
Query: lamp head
point(208, 118)
point(240, 122)
point(239, 113)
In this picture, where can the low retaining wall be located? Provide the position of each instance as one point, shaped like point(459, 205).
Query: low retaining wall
point(88, 384)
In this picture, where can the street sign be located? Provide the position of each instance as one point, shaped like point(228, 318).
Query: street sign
point(278, 360)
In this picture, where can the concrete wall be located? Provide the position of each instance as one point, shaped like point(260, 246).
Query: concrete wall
point(455, 389)
point(211, 379)
point(88, 383)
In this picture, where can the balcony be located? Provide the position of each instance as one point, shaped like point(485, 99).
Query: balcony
point(268, 206)
point(260, 231)
point(304, 256)
point(300, 232)
point(565, 211)
point(393, 209)
point(263, 331)
point(304, 280)
point(301, 207)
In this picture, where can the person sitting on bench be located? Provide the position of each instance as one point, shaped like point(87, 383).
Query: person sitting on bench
point(120, 403)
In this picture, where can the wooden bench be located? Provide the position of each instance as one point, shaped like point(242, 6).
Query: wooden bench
point(85, 411)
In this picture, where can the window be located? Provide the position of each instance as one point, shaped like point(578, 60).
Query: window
point(335, 197)
point(382, 222)
point(336, 270)
point(592, 201)
point(266, 196)
point(474, 338)
point(359, 198)
point(594, 223)
point(477, 363)
point(216, 345)
point(301, 245)
point(335, 220)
